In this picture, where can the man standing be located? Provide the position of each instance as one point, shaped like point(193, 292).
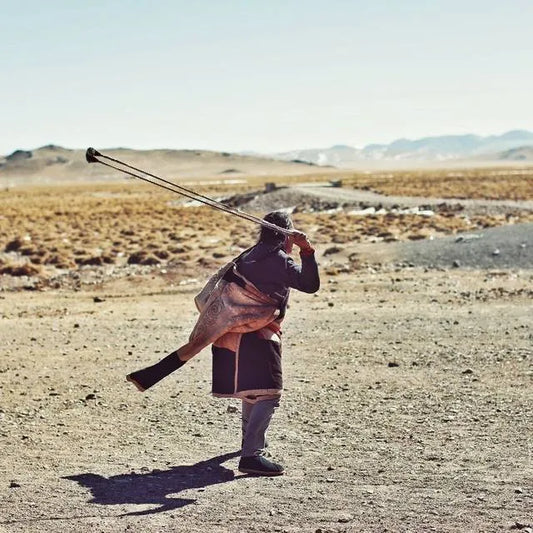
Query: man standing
point(241, 310)
point(248, 365)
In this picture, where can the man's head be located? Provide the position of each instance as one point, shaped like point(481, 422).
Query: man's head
point(280, 219)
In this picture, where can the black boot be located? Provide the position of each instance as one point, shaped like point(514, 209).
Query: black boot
point(260, 466)
point(149, 376)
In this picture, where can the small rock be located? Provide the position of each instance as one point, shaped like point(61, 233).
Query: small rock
point(333, 250)
point(526, 528)
point(331, 304)
point(519, 490)
point(345, 519)
point(456, 264)
point(393, 364)
point(496, 252)
point(90, 396)
point(14, 485)
point(98, 300)
point(468, 371)
point(232, 409)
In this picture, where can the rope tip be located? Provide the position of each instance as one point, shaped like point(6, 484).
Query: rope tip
point(91, 154)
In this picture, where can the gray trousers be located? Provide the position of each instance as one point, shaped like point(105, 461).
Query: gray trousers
point(256, 418)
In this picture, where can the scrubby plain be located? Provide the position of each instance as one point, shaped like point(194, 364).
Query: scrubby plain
point(488, 183)
point(46, 229)
point(408, 390)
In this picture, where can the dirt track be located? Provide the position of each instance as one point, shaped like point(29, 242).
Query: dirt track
point(407, 408)
point(358, 196)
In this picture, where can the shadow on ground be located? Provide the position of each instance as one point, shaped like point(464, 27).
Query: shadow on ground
point(153, 488)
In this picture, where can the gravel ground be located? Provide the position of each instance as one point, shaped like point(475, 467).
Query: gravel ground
point(407, 407)
point(495, 248)
point(298, 194)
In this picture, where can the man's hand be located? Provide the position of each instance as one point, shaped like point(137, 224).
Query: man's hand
point(301, 240)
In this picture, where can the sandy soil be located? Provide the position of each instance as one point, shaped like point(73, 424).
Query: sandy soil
point(407, 408)
point(408, 378)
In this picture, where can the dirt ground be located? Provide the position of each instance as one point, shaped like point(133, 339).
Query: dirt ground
point(407, 407)
point(408, 377)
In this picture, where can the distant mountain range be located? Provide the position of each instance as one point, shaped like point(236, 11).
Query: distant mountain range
point(52, 163)
point(55, 164)
point(513, 145)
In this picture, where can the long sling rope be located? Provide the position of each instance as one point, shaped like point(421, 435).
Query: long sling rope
point(92, 156)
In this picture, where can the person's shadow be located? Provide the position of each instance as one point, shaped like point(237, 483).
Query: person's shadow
point(154, 487)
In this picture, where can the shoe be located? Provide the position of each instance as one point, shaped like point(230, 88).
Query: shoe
point(260, 466)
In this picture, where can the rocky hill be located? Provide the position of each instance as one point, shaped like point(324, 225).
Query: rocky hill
point(51, 164)
point(522, 153)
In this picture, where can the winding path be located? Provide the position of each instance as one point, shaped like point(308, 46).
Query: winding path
point(369, 198)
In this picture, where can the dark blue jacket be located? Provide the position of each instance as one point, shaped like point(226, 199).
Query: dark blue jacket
point(274, 272)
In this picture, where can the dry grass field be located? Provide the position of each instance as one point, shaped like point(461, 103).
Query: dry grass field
point(489, 183)
point(44, 230)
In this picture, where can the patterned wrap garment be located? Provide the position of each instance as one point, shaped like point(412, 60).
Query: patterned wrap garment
point(247, 364)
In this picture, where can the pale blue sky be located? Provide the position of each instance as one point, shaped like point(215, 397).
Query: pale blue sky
point(268, 75)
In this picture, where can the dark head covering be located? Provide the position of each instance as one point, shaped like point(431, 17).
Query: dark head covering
point(278, 218)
